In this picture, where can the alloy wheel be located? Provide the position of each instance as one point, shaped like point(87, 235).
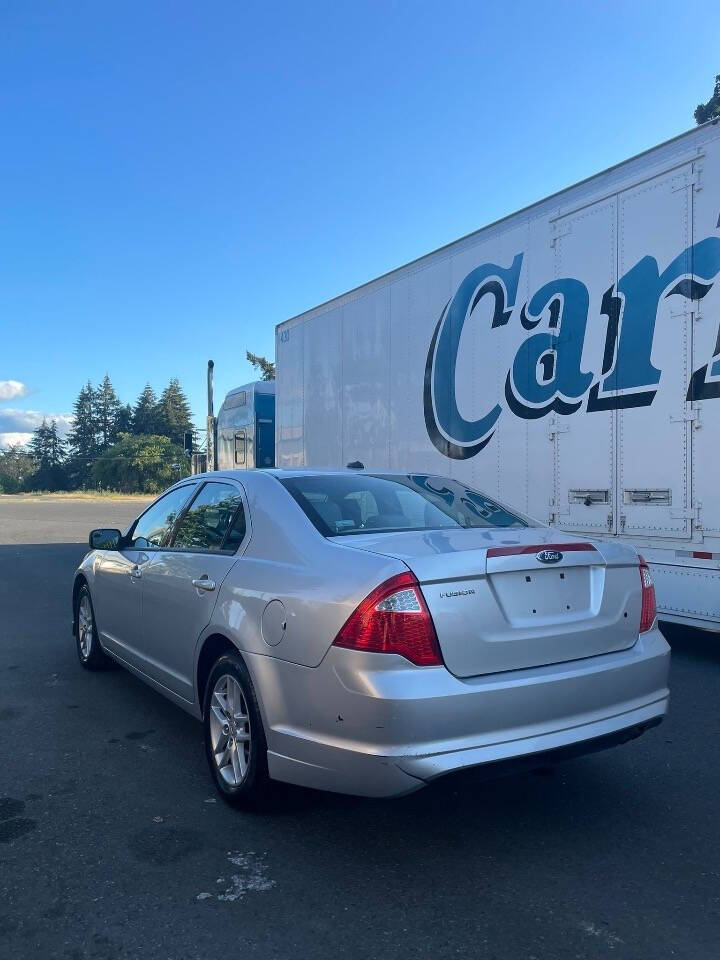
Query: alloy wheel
point(230, 733)
point(85, 627)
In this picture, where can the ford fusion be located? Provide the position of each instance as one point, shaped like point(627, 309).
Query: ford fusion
point(367, 632)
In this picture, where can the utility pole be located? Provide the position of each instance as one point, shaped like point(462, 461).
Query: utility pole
point(211, 452)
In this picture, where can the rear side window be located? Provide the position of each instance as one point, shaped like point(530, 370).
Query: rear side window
point(342, 505)
point(236, 533)
point(213, 521)
point(154, 526)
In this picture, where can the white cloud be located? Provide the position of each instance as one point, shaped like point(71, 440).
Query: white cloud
point(11, 439)
point(12, 390)
point(14, 421)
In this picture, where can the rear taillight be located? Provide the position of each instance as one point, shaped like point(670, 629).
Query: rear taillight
point(394, 618)
point(649, 605)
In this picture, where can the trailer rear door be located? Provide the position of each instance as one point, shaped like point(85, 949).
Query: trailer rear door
point(584, 446)
point(654, 439)
point(706, 361)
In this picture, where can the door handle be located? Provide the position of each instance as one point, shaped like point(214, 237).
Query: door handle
point(204, 584)
point(135, 572)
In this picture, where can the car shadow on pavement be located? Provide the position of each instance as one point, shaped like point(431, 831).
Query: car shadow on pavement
point(692, 642)
point(467, 794)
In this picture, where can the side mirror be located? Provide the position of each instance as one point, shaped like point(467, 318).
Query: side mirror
point(104, 538)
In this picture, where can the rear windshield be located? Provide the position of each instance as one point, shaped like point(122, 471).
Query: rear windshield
point(341, 505)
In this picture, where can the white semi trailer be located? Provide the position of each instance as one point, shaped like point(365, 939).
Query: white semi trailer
point(565, 359)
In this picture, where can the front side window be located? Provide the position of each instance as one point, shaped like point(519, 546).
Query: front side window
point(340, 505)
point(154, 526)
point(213, 521)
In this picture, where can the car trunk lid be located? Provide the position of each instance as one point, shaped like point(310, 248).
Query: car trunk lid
point(509, 600)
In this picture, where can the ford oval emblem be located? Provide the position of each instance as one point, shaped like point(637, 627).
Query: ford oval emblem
point(549, 556)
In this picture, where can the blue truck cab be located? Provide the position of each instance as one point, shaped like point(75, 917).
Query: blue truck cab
point(246, 427)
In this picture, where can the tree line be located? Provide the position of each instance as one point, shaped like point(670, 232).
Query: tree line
point(112, 446)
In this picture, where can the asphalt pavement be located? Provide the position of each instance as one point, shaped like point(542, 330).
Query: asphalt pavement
point(113, 843)
point(53, 519)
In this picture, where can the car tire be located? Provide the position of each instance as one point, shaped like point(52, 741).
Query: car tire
point(235, 743)
point(87, 643)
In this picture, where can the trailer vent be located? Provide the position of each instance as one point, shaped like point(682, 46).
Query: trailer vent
point(588, 497)
point(653, 497)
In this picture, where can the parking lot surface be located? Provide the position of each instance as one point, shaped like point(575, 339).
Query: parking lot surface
point(114, 845)
point(52, 519)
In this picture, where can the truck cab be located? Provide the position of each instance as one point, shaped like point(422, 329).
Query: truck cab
point(246, 427)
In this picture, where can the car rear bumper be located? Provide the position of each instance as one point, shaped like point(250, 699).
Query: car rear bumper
point(373, 725)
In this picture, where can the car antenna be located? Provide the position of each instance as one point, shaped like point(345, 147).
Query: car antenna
point(355, 465)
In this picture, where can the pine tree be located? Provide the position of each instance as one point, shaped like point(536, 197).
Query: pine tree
point(83, 437)
point(145, 414)
point(265, 366)
point(47, 450)
point(173, 413)
point(107, 410)
point(125, 419)
point(55, 446)
point(711, 109)
point(38, 445)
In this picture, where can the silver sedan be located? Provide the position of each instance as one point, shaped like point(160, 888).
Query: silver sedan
point(367, 632)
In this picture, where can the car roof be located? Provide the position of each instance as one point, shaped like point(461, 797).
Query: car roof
point(301, 472)
point(340, 472)
point(256, 477)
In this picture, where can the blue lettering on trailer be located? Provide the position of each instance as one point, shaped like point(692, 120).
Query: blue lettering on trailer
point(546, 374)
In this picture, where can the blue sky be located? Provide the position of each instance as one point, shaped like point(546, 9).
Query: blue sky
point(176, 178)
